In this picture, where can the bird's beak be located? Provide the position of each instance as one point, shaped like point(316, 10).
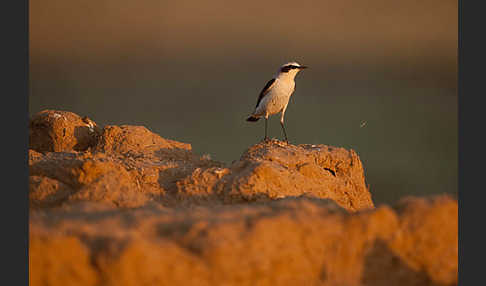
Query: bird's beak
point(303, 67)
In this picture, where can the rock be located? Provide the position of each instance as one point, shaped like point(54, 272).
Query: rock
point(91, 177)
point(61, 131)
point(129, 166)
point(276, 170)
point(273, 170)
point(138, 140)
point(428, 237)
point(108, 182)
point(60, 260)
point(291, 241)
point(123, 206)
point(47, 192)
point(135, 175)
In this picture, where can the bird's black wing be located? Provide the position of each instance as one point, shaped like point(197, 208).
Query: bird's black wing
point(265, 91)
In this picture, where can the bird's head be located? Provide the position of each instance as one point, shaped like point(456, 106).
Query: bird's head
point(290, 69)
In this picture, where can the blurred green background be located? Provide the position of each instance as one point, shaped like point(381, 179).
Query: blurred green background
point(382, 76)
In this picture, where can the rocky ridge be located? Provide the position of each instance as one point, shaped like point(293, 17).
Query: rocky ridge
point(120, 205)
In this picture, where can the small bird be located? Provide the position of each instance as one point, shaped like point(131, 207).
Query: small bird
point(275, 96)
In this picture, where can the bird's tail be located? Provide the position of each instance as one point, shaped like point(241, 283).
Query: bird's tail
point(252, 118)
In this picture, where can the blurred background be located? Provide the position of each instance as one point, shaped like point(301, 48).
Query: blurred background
point(382, 76)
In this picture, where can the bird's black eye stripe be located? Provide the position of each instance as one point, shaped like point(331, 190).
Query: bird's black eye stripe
point(288, 68)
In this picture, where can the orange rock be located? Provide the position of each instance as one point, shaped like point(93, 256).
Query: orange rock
point(124, 206)
point(275, 170)
point(292, 241)
point(60, 260)
point(47, 192)
point(61, 131)
point(428, 238)
point(130, 166)
point(138, 140)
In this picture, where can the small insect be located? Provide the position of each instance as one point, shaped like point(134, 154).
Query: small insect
point(362, 124)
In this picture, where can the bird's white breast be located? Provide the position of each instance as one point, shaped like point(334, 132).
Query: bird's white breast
point(277, 98)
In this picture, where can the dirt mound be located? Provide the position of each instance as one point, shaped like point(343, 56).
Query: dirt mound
point(123, 181)
point(61, 131)
point(137, 140)
point(129, 166)
point(292, 241)
point(278, 170)
point(120, 205)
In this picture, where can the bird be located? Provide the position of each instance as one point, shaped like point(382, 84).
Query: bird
point(275, 95)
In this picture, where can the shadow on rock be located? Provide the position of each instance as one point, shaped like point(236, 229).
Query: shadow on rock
point(382, 267)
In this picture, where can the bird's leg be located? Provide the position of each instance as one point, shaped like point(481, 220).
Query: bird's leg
point(266, 123)
point(266, 128)
point(285, 133)
point(282, 123)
